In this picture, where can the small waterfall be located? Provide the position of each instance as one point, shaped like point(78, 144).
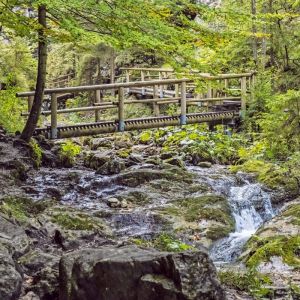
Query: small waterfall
point(251, 206)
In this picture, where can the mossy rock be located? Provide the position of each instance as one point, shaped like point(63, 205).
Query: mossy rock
point(190, 211)
point(23, 208)
point(135, 178)
point(293, 211)
point(72, 220)
point(210, 207)
point(137, 197)
point(269, 174)
point(262, 249)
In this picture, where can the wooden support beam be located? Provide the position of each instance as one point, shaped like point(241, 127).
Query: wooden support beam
point(53, 116)
point(121, 122)
point(183, 104)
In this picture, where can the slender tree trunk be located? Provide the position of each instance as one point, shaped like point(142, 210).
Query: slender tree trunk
point(264, 40)
point(254, 31)
point(41, 77)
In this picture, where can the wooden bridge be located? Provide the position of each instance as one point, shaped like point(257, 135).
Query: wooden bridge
point(214, 99)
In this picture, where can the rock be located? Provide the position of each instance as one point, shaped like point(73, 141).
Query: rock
point(167, 155)
point(43, 269)
point(49, 159)
point(121, 144)
point(111, 167)
point(13, 237)
point(175, 161)
point(95, 160)
point(100, 142)
point(134, 178)
point(204, 164)
point(124, 203)
point(113, 202)
point(130, 272)
point(10, 279)
point(30, 296)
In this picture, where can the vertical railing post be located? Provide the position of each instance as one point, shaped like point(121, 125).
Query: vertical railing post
point(155, 105)
point(183, 104)
point(121, 110)
point(97, 101)
point(53, 116)
point(226, 87)
point(243, 96)
point(161, 88)
point(30, 103)
point(143, 79)
point(176, 90)
point(128, 80)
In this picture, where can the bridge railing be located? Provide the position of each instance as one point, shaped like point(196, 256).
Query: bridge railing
point(120, 103)
point(158, 96)
point(221, 85)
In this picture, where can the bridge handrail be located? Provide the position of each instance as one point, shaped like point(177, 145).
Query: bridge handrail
point(194, 72)
point(106, 86)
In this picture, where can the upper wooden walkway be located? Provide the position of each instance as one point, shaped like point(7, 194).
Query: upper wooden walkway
point(216, 99)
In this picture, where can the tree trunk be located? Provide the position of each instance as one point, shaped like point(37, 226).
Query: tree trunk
point(254, 31)
point(41, 77)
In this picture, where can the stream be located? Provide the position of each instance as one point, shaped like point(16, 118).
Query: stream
point(81, 188)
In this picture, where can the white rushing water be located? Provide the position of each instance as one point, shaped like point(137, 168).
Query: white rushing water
point(251, 206)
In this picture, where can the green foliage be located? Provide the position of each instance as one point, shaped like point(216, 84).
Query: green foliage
point(251, 281)
point(145, 137)
point(68, 152)
point(10, 110)
point(164, 242)
point(36, 153)
point(282, 135)
point(197, 140)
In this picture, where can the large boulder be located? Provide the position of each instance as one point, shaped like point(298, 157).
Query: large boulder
point(13, 243)
point(129, 272)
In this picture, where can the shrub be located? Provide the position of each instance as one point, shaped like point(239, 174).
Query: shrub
point(68, 152)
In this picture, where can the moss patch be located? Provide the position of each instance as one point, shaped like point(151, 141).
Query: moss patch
point(262, 249)
point(22, 208)
point(294, 212)
point(76, 221)
point(209, 207)
point(251, 282)
point(269, 174)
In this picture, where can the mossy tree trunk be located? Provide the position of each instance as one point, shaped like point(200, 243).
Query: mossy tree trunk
point(41, 77)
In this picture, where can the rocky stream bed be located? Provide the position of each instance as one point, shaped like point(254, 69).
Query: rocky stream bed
point(129, 221)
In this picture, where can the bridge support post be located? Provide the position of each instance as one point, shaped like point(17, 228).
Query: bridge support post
point(244, 96)
point(143, 79)
point(183, 104)
point(155, 105)
point(121, 109)
point(97, 111)
point(161, 88)
point(54, 116)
